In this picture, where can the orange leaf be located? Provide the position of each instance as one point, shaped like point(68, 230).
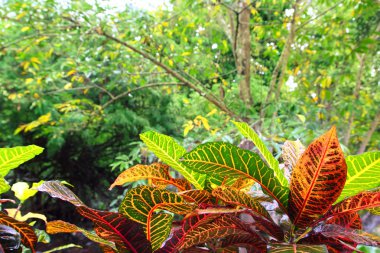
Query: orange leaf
point(198, 196)
point(28, 237)
point(317, 179)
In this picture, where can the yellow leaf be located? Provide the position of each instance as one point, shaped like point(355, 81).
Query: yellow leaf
point(12, 96)
point(22, 190)
point(213, 111)
point(165, 24)
point(14, 212)
point(253, 11)
point(44, 118)
point(188, 126)
point(21, 15)
point(68, 86)
point(186, 54)
point(186, 101)
point(81, 79)
point(171, 63)
point(25, 28)
point(35, 95)
point(326, 82)
point(85, 91)
point(25, 65)
point(214, 131)
point(71, 72)
point(28, 80)
point(171, 47)
point(204, 122)
point(35, 60)
point(301, 118)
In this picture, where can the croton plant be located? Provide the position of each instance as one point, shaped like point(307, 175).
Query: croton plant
point(233, 200)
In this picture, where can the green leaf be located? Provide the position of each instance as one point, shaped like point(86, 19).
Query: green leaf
point(11, 158)
point(4, 186)
point(141, 203)
point(362, 174)
point(160, 229)
point(169, 151)
point(224, 159)
point(267, 155)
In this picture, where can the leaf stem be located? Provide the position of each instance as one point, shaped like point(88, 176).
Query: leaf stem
point(303, 234)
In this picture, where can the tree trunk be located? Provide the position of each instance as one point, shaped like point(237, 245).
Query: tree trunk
point(368, 136)
point(347, 135)
point(281, 66)
point(243, 53)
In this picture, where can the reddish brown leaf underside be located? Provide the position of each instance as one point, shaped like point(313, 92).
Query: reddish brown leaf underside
point(317, 179)
point(28, 237)
point(116, 228)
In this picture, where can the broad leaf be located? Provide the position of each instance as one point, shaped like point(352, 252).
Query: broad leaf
point(179, 234)
point(348, 220)
point(266, 154)
point(28, 237)
point(317, 180)
point(197, 196)
point(245, 240)
point(219, 228)
point(59, 226)
point(349, 235)
point(297, 248)
point(11, 158)
point(169, 151)
point(57, 190)
point(363, 200)
point(142, 202)
point(114, 227)
point(4, 185)
point(263, 225)
point(226, 160)
point(235, 197)
point(291, 153)
point(362, 174)
point(157, 172)
point(160, 229)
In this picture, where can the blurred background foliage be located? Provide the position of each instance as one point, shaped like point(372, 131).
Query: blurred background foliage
point(84, 78)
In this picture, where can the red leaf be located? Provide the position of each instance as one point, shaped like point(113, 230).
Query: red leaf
point(317, 180)
point(347, 220)
point(28, 237)
point(363, 200)
point(116, 228)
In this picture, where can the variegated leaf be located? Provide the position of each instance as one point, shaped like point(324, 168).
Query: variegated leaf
point(169, 151)
point(11, 158)
point(197, 196)
point(59, 226)
point(362, 174)
point(57, 190)
point(291, 153)
point(235, 197)
point(266, 154)
point(160, 229)
point(297, 248)
point(221, 227)
point(28, 237)
point(363, 200)
point(317, 180)
point(348, 220)
point(226, 160)
point(114, 227)
point(141, 203)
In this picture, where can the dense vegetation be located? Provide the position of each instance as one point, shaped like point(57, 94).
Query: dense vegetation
point(83, 80)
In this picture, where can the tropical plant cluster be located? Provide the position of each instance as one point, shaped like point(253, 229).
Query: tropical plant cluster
point(228, 199)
